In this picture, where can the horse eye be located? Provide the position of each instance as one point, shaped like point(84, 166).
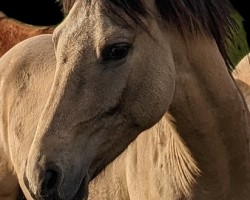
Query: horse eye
point(116, 51)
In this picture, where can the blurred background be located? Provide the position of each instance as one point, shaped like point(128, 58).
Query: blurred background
point(241, 41)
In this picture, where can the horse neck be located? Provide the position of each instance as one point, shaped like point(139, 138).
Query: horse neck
point(211, 117)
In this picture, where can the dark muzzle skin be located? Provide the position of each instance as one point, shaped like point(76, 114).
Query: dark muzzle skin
point(51, 179)
point(50, 184)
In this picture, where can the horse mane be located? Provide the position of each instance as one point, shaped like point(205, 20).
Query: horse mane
point(180, 163)
point(211, 17)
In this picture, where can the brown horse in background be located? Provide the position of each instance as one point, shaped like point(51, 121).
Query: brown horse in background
point(13, 31)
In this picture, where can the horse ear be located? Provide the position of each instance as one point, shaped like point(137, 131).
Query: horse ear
point(2, 14)
point(66, 5)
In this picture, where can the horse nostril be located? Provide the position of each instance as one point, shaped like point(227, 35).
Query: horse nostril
point(50, 182)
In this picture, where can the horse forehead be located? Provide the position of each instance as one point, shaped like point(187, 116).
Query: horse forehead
point(89, 18)
point(90, 24)
point(85, 32)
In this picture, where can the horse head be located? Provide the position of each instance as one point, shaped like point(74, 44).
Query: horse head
point(113, 80)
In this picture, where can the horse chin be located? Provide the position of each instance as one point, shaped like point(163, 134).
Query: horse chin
point(82, 193)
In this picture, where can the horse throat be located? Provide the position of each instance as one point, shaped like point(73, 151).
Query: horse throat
point(212, 119)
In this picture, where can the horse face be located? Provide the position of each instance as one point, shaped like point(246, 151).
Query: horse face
point(113, 80)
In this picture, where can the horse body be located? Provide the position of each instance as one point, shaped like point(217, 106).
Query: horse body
point(13, 32)
point(71, 106)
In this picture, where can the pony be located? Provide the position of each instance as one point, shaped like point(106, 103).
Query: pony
point(13, 31)
point(127, 99)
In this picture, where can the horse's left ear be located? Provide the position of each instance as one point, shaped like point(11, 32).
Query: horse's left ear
point(2, 14)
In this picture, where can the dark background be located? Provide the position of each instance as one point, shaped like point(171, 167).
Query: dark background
point(243, 8)
point(36, 12)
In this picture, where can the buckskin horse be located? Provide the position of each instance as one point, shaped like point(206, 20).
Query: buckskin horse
point(142, 84)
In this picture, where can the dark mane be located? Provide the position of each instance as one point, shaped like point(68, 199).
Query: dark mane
point(212, 17)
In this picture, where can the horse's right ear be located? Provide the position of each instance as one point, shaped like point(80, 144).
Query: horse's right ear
point(2, 14)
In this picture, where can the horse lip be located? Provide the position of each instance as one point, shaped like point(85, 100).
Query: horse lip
point(82, 193)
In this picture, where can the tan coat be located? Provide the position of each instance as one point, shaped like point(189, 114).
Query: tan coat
point(164, 109)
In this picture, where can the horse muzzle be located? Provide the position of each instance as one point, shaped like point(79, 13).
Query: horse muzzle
point(47, 184)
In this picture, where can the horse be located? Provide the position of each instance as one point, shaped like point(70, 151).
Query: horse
point(13, 31)
point(125, 100)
